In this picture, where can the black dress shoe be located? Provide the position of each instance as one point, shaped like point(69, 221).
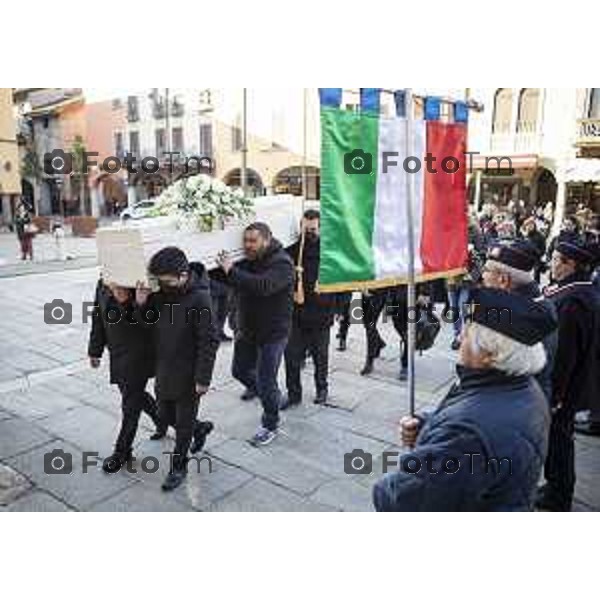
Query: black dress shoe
point(343, 345)
point(322, 397)
point(114, 463)
point(174, 480)
point(455, 344)
point(403, 375)
point(589, 428)
point(368, 368)
point(248, 395)
point(201, 431)
point(290, 402)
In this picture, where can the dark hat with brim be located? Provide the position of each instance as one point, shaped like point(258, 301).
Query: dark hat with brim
point(576, 251)
point(517, 317)
point(517, 254)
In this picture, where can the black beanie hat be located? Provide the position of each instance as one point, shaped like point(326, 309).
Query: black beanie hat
point(168, 261)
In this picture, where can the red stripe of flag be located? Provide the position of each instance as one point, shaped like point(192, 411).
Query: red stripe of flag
point(445, 220)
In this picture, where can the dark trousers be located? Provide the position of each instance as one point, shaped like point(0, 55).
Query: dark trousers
point(316, 343)
point(181, 414)
point(134, 400)
point(256, 366)
point(220, 306)
point(26, 242)
point(345, 317)
point(560, 463)
point(373, 306)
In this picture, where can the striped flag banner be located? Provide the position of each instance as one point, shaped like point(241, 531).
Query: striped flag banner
point(364, 236)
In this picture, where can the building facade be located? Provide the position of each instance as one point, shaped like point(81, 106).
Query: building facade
point(10, 180)
point(537, 145)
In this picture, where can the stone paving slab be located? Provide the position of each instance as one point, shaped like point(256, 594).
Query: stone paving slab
point(275, 463)
point(344, 494)
point(13, 485)
point(87, 428)
point(261, 496)
point(78, 490)
point(36, 403)
point(37, 502)
point(20, 435)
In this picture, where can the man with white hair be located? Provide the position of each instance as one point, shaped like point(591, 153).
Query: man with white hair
point(484, 447)
point(510, 267)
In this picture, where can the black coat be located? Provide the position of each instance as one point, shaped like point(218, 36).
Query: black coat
point(575, 379)
point(129, 345)
point(318, 309)
point(538, 241)
point(185, 337)
point(264, 295)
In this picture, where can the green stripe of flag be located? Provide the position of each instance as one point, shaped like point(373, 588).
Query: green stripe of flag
point(347, 201)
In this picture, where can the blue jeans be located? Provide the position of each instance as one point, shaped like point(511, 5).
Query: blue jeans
point(256, 366)
point(457, 298)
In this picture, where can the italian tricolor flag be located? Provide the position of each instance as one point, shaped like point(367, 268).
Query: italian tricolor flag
point(364, 242)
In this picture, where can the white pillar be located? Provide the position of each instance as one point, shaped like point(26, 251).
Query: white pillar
point(561, 205)
point(131, 195)
point(95, 200)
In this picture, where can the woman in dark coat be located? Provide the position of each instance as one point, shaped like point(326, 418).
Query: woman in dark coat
point(25, 233)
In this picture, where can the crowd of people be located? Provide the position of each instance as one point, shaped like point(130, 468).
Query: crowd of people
point(523, 382)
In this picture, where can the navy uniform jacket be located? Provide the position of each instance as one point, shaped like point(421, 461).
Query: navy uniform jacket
point(497, 426)
point(575, 379)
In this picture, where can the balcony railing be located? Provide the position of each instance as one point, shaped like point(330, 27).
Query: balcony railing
point(526, 140)
point(588, 133)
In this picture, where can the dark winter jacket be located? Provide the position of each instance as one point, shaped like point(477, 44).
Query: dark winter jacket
point(497, 427)
point(264, 295)
point(21, 221)
point(318, 309)
point(185, 338)
point(575, 379)
point(129, 345)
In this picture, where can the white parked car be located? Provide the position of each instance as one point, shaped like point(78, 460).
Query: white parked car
point(139, 210)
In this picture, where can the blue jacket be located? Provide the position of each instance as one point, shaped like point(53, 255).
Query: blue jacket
point(497, 427)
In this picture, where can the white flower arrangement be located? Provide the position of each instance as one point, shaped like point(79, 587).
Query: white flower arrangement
point(201, 201)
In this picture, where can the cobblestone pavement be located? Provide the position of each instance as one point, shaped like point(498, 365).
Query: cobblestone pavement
point(50, 399)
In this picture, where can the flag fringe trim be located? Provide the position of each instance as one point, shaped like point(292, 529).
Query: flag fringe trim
point(365, 286)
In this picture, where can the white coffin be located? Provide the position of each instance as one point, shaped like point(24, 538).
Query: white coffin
point(124, 250)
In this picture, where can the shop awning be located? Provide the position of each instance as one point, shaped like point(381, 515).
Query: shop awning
point(583, 170)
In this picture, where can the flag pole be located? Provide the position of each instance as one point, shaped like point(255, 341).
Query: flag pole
point(412, 300)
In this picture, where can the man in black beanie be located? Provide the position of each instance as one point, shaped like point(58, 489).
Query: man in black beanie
point(575, 381)
point(186, 345)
